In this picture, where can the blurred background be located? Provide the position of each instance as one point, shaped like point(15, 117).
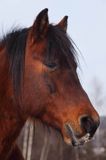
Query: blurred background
point(87, 28)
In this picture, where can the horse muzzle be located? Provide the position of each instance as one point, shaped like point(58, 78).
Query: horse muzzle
point(88, 127)
point(73, 139)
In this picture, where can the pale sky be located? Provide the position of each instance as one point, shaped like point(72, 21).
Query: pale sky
point(86, 26)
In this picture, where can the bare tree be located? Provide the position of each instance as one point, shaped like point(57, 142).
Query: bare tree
point(97, 93)
point(98, 100)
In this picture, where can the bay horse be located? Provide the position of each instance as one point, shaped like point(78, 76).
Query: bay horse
point(38, 78)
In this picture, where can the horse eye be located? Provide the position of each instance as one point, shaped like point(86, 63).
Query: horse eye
point(52, 66)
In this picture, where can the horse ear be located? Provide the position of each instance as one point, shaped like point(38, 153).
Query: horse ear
point(40, 25)
point(63, 23)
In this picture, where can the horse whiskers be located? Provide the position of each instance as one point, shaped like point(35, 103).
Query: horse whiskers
point(75, 141)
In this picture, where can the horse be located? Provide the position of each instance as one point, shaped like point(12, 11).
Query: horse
point(38, 78)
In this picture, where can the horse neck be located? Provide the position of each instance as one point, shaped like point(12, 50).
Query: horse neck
point(11, 120)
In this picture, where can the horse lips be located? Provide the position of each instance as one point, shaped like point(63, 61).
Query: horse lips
point(75, 141)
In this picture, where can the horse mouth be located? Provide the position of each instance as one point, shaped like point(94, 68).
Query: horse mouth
point(73, 138)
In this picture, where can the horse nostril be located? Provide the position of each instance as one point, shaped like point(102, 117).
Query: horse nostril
point(89, 125)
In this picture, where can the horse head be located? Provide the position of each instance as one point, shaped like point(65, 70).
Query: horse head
point(51, 88)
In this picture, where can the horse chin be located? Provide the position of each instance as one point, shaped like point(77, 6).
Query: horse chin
point(72, 139)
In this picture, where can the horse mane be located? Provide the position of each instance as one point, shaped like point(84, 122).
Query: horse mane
point(59, 47)
point(15, 43)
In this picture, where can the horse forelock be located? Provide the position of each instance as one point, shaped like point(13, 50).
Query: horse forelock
point(60, 47)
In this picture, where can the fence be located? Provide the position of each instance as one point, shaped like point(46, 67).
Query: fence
point(40, 142)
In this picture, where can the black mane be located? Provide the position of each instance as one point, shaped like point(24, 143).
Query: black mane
point(15, 43)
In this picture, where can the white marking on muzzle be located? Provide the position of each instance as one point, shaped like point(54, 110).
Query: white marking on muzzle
point(75, 141)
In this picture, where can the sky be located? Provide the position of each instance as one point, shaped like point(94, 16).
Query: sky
point(86, 26)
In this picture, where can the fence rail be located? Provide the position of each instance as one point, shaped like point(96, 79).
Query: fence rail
point(39, 142)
